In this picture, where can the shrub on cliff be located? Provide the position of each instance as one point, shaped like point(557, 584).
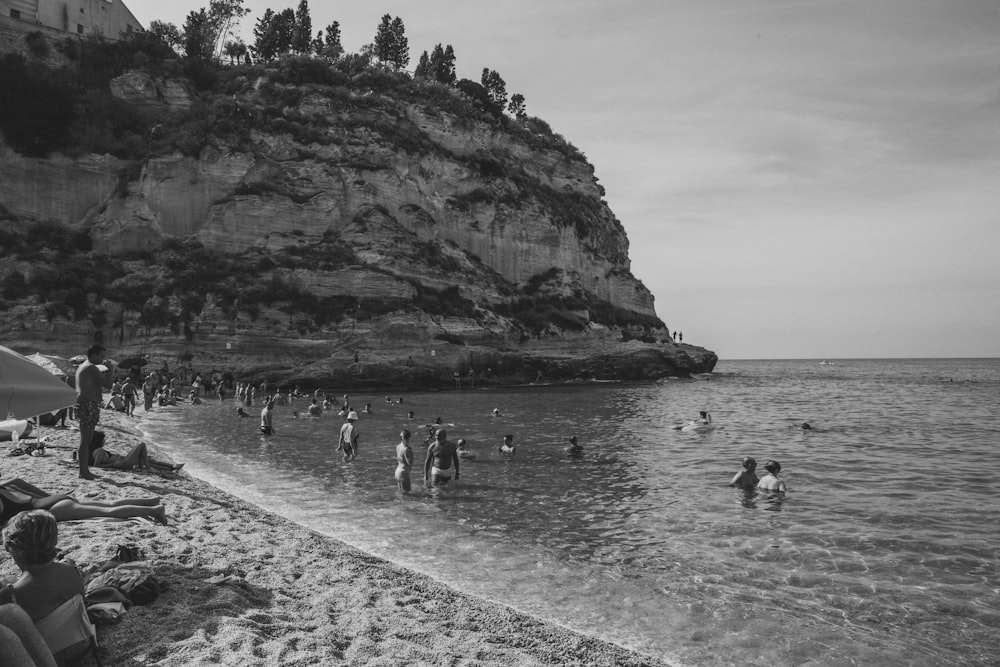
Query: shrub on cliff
point(38, 106)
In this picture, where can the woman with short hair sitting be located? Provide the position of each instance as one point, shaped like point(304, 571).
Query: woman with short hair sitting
point(51, 592)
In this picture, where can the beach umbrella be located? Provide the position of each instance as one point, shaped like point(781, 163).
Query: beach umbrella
point(27, 389)
point(131, 362)
point(50, 365)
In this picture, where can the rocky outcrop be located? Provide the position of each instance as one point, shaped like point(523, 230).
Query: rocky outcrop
point(394, 201)
point(144, 90)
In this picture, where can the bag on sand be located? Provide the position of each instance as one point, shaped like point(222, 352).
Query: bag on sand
point(135, 580)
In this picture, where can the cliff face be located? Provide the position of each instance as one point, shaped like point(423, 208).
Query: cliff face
point(411, 198)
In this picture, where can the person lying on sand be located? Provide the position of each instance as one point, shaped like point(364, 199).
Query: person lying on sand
point(137, 458)
point(17, 496)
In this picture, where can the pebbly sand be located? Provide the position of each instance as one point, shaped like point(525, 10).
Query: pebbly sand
point(295, 597)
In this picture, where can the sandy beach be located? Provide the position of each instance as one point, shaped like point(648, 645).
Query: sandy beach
point(290, 596)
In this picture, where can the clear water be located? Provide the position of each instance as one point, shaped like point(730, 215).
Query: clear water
point(885, 551)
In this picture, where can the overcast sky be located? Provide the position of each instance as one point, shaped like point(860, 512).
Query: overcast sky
point(798, 179)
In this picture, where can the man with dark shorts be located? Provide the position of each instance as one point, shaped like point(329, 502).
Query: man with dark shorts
point(90, 383)
point(440, 457)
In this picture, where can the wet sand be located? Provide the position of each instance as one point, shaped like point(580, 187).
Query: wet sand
point(287, 595)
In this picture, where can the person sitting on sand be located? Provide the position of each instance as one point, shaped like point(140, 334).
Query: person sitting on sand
point(315, 410)
point(770, 481)
point(404, 461)
point(17, 496)
point(137, 458)
point(441, 455)
point(507, 447)
point(48, 589)
point(574, 449)
point(464, 453)
point(746, 478)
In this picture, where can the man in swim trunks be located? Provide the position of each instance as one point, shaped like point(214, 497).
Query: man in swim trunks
point(440, 457)
point(90, 384)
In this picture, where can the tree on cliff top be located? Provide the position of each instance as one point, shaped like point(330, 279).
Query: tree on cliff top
point(391, 46)
point(302, 32)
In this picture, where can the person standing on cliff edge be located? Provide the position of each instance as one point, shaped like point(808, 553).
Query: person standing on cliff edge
point(90, 385)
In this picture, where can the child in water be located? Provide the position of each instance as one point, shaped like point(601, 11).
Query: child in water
point(746, 478)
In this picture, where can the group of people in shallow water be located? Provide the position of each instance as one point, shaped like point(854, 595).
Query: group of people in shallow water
point(747, 477)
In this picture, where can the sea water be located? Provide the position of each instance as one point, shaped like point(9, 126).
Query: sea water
point(884, 551)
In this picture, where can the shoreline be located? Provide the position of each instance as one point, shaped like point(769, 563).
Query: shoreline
point(294, 597)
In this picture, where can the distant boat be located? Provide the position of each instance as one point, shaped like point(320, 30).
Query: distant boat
point(826, 363)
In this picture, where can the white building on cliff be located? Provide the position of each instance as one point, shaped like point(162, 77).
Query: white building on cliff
point(108, 18)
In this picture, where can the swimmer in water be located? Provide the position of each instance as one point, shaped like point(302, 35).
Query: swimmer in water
point(315, 410)
point(770, 481)
point(496, 412)
point(574, 449)
point(464, 453)
point(404, 461)
point(240, 412)
point(410, 415)
point(746, 478)
point(507, 447)
point(806, 426)
point(441, 455)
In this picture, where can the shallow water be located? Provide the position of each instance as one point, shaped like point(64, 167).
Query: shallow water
point(884, 551)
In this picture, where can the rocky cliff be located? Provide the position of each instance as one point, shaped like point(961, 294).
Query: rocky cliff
point(286, 224)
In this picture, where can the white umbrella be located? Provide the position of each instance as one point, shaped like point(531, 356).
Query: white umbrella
point(28, 390)
point(56, 365)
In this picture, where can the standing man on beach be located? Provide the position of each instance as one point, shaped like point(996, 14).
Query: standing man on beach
point(90, 385)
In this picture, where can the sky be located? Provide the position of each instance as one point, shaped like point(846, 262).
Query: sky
point(797, 178)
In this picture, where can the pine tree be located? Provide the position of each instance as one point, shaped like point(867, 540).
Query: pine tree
point(198, 39)
point(400, 56)
point(516, 106)
point(331, 41)
point(495, 87)
point(385, 40)
point(423, 67)
point(263, 43)
point(302, 38)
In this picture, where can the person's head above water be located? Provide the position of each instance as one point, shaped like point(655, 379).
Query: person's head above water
point(806, 426)
point(572, 439)
point(749, 463)
point(704, 414)
point(772, 467)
